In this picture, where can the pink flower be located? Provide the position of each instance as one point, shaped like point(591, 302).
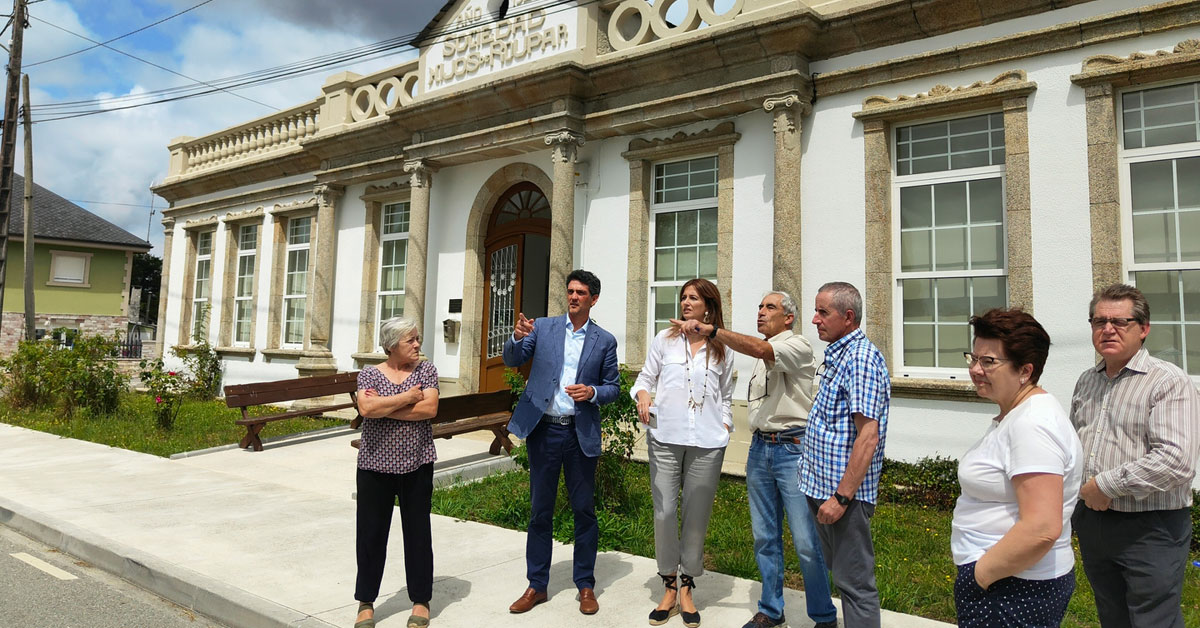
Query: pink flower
point(158, 400)
point(171, 373)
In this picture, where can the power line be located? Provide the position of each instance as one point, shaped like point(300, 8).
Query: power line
point(151, 63)
point(110, 203)
point(70, 54)
point(271, 75)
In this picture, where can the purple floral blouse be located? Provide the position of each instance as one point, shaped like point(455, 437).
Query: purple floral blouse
point(390, 445)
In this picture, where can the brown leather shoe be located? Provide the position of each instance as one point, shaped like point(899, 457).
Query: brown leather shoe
point(529, 599)
point(587, 602)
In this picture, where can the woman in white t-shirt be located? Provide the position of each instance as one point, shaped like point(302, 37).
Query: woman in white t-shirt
point(688, 429)
point(1011, 535)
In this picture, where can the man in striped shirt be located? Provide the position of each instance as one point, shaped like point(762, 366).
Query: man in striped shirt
point(1138, 418)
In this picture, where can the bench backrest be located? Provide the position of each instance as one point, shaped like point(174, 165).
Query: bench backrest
point(243, 395)
point(478, 404)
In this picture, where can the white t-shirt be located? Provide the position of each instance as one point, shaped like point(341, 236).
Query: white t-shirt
point(693, 394)
point(1035, 437)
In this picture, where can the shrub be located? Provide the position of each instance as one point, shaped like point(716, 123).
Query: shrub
point(1196, 521)
point(31, 375)
point(204, 367)
point(82, 375)
point(928, 482)
point(168, 389)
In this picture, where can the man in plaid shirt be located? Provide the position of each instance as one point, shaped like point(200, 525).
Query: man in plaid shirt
point(843, 449)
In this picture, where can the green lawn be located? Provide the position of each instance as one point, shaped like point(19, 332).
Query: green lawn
point(200, 424)
point(914, 571)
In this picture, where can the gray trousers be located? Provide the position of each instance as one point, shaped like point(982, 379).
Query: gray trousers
point(850, 555)
point(696, 471)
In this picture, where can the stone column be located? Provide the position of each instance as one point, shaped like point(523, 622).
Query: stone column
point(564, 144)
point(168, 240)
point(317, 358)
point(420, 178)
point(786, 257)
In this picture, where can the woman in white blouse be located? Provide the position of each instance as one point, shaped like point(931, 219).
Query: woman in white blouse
point(689, 423)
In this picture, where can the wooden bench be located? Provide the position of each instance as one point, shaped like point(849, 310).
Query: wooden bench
point(467, 413)
point(243, 396)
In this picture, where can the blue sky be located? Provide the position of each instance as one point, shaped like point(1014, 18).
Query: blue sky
point(112, 159)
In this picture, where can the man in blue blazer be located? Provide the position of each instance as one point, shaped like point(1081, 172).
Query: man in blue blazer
point(574, 371)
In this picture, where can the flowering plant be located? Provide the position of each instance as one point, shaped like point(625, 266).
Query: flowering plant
point(168, 388)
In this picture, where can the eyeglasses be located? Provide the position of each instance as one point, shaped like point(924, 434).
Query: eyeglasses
point(1118, 324)
point(986, 361)
point(766, 389)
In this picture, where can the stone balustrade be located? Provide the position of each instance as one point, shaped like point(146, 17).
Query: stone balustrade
point(627, 24)
point(351, 98)
point(264, 135)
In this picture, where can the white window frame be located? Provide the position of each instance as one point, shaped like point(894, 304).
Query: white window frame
point(959, 370)
point(238, 297)
point(384, 238)
point(289, 249)
point(657, 208)
point(85, 281)
point(197, 300)
point(1125, 158)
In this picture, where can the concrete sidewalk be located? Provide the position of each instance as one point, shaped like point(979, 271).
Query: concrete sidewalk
point(267, 538)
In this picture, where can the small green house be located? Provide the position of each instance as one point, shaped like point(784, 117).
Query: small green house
point(81, 274)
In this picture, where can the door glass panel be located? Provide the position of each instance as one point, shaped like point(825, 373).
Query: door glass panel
point(502, 277)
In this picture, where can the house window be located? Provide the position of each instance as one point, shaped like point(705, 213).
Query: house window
point(295, 294)
point(1160, 159)
point(393, 261)
point(69, 269)
point(202, 285)
point(684, 232)
point(243, 296)
point(949, 186)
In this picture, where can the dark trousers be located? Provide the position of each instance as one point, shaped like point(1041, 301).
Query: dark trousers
point(850, 553)
point(1135, 562)
point(553, 448)
point(377, 496)
point(1011, 602)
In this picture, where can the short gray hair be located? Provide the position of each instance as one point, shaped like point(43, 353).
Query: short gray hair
point(393, 330)
point(788, 304)
point(845, 297)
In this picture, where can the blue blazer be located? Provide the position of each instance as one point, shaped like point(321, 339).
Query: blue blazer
point(597, 368)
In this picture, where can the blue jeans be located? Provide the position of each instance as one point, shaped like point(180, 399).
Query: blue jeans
point(773, 489)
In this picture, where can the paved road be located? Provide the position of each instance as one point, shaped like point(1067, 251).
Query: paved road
point(58, 591)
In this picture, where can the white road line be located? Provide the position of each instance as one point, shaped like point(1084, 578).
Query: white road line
point(44, 566)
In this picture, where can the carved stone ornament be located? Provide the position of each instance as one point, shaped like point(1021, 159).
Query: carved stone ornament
point(248, 214)
point(724, 128)
point(420, 172)
point(1012, 77)
point(327, 194)
point(564, 143)
point(308, 203)
point(197, 223)
point(787, 100)
point(1108, 62)
point(394, 186)
point(168, 223)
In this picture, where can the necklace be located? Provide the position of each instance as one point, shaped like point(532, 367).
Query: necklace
point(692, 403)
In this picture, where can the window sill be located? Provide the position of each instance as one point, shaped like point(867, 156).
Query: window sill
point(369, 358)
point(69, 284)
point(238, 351)
point(283, 353)
point(935, 389)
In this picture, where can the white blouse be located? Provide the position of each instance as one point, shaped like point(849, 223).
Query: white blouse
point(693, 396)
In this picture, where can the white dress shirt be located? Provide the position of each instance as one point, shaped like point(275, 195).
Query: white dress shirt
point(675, 377)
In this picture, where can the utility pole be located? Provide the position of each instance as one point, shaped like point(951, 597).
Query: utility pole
point(8, 145)
point(27, 243)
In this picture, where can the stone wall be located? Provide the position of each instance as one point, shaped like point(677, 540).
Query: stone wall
point(12, 326)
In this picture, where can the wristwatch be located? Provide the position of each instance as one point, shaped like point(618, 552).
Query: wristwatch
point(842, 499)
point(713, 334)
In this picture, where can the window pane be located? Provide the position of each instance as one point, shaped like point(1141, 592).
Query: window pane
point(686, 227)
point(69, 268)
point(664, 229)
point(952, 341)
point(242, 327)
point(1189, 235)
point(391, 279)
point(928, 164)
point(953, 301)
point(204, 243)
point(918, 300)
point(664, 264)
point(245, 278)
point(1154, 238)
point(929, 148)
point(1167, 95)
point(293, 328)
point(1173, 115)
point(672, 196)
point(1187, 173)
point(1191, 300)
point(987, 247)
point(1193, 349)
point(1133, 139)
point(1170, 135)
point(1165, 341)
point(247, 237)
point(666, 306)
point(1161, 289)
point(395, 218)
point(708, 262)
point(916, 207)
point(685, 263)
point(970, 160)
point(989, 292)
point(391, 306)
point(951, 249)
point(708, 225)
point(932, 129)
point(918, 345)
point(915, 252)
point(299, 230)
point(987, 200)
point(950, 204)
point(1151, 185)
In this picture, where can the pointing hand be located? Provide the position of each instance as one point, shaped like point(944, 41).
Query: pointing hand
point(523, 327)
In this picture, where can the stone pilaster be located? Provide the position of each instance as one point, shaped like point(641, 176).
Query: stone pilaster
point(420, 174)
point(163, 288)
point(877, 295)
point(317, 358)
point(564, 144)
point(787, 255)
point(1103, 194)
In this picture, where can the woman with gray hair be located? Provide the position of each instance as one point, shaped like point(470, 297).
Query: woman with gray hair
point(395, 465)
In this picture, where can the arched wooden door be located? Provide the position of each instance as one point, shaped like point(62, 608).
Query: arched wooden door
point(517, 271)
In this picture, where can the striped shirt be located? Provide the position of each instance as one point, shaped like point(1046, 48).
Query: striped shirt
point(1140, 432)
point(854, 379)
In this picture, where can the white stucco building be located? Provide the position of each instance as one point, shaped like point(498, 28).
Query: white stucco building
point(943, 156)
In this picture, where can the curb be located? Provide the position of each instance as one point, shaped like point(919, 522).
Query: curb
point(194, 591)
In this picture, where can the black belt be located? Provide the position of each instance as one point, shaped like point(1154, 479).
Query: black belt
point(558, 420)
point(778, 437)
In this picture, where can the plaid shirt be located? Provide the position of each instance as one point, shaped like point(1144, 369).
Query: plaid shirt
point(854, 379)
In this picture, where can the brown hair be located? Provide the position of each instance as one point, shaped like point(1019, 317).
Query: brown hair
point(712, 302)
point(1024, 339)
point(1123, 292)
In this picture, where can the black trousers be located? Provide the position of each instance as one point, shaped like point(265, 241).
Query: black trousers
point(377, 496)
point(1135, 562)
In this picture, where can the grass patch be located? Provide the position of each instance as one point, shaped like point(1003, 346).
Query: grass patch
point(913, 568)
point(132, 426)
